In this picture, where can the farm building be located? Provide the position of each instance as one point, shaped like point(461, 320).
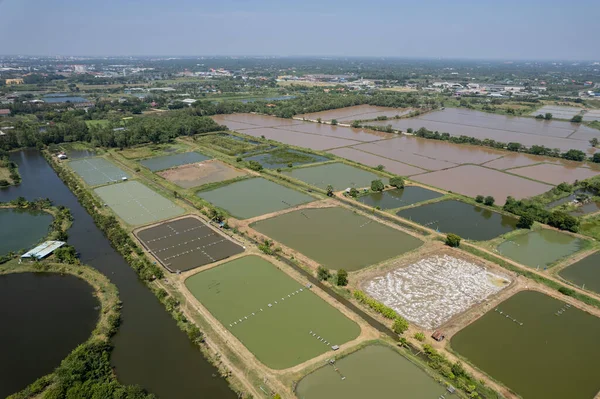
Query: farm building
point(43, 250)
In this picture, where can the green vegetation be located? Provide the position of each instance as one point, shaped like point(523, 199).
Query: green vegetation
point(397, 182)
point(537, 212)
point(453, 240)
point(489, 200)
point(341, 278)
point(525, 222)
point(226, 144)
point(377, 185)
point(9, 173)
point(577, 119)
point(323, 274)
point(254, 165)
point(479, 199)
point(399, 326)
point(419, 336)
point(455, 372)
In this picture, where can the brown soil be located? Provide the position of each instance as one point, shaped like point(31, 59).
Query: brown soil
point(198, 174)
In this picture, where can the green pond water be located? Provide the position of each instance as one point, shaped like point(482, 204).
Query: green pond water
point(540, 248)
point(399, 197)
point(552, 355)
point(283, 157)
point(22, 229)
point(253, 197)
point(586, 271)
point(466, 220)
point(337, 238)
point(372, 372)
point(268, 310)
point(339, 175)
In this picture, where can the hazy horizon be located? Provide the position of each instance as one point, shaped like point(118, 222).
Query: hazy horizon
point(527, 30)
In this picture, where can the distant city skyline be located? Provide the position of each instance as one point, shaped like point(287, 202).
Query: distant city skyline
point(462, 29)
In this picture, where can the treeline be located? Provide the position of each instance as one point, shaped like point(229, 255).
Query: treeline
point(314, 102)
point(560, 220)
point(13, 170)
point(573, 155)
point(400, 324)
point(148, 129)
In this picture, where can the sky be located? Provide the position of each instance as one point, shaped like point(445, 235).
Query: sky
point(476, 29)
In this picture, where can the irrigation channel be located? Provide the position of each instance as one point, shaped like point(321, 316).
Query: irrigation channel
point(149, 349)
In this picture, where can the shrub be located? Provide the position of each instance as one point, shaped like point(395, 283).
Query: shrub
point(322, 273)
point(525, 222)
point(489, 200)
point(334, 122)
point(377, 185)
point(397, 182)
point(378, 307)
point(452, 240)
point(479, 199)
point(566, 291)
point(342, 278)
point(353, 192)
point(400, 325)
point(380, 167)
point(420, 336)
point(577, 119)
point(254, 165)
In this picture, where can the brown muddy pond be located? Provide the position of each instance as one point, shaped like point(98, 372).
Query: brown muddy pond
point(391, 199)
point(340, 132)
point(554, 174)
point(373, 161)
point(312, 141)
point(393, 150)
point(349, 112)
point(527, 131)
point(472, 180)
point(256, 120)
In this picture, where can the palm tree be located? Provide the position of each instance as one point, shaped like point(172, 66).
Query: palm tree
point(329, 190)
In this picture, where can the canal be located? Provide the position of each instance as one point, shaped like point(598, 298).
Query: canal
point(149, 349)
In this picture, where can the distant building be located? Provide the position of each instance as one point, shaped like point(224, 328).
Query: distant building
point(43, 250)
point(4, 112)
point(17, 81)
point(189, 101)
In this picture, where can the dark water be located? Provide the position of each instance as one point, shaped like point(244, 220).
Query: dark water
point(22, 229)
point(64, 99)
point(43, 318)
point(399, 197)
point(466, 220)
point(552, 355)
point(585, 273)
point(150, 350)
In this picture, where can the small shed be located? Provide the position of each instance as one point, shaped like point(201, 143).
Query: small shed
point(43, 250)
point(438, 336)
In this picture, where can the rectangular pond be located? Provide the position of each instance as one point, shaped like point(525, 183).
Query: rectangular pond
point(466, 220)
point(337, 238)
point(540, 248)
point(170, 161)
point(397, 198)
point(285, 157)
point(536, 345)
point(136, 204)
point(373, 372)
point(585, 272)
point(254, 197)
point(187, 243)
point(96, 171)
point(339, 175)
point(278, 319)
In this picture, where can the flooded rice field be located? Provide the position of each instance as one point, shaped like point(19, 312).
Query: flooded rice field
point(396, 198)
point(592, 115)
point(47, 316)
point(555, 174)
point(298, 139)
point(472, 180)
point(527, 131)
point(199, 174)
point(373, 115)
point(340, 132)
point(339, 175)
point(540, 249)
point(373, 161)
point(584, 273)
point(557, 111)
point(514, 160)
point(337, 238)
point(255, 120)
point(349, 114)
point(537, 346)
point(433, 290)
point(372, 372)
point(22, 229)
point(468, 221)
point(260, 196)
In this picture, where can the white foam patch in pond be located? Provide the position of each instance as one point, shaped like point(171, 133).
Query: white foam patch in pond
point(433, 290)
